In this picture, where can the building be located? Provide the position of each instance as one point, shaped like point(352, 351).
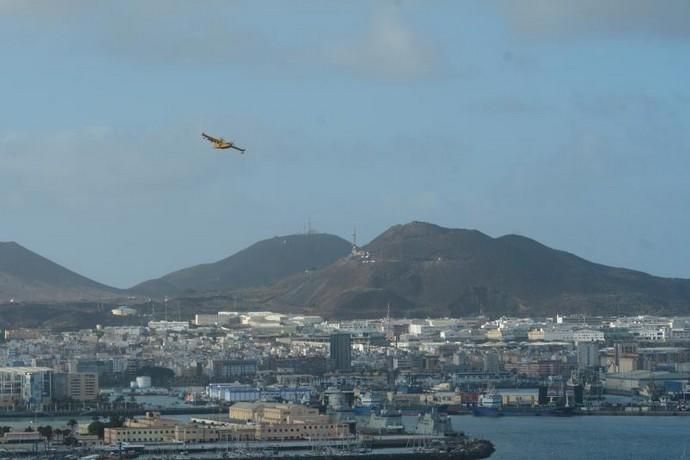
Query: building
point(317, 428)
point(23, 334)
point(123, 310)
point(218, 319)
point(246, 411)
point(226, 369)
point(169, 326)
point(22, 437)
point(588, 335)
point(81, 386)
point(341, 352)
point(30, 387)
point(519, 396)
point(285, 413)
point(233, 392)
point(94, 366)
point(588, 355)
point(148, 429)
point(630, 382)
point(622, 358)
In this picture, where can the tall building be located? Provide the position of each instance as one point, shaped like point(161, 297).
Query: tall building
point(81, 386)
point(26, 386)
point(588, 355)
point(341, 352)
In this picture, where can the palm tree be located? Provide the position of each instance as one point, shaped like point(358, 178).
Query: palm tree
point(73, 425)
point(119, 400)
point(103, 400)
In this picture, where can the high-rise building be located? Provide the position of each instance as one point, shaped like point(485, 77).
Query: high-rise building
point(82, 386)
point(588, 355)
point(341, 352)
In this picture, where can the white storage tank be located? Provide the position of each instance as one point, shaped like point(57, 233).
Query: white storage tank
point(144, 381)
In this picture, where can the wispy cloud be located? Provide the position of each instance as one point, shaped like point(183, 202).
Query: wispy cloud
point(92, 166)
point(390, 49)
point(661, 18)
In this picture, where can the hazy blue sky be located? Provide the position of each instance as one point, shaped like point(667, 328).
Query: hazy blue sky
point(568, 122)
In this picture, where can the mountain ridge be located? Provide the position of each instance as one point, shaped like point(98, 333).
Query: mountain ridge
point(26, 275)
point(441, 271)
point(421, 269)
point(260, 264)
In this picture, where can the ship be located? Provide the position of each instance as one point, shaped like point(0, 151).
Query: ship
point(490, 404)
point(544, 411)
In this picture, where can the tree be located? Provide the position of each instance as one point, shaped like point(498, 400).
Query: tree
point(103, 400)
point(73, 425)
point(46, 431)
point(119, 401)
point(70, 440)
point(97, 428)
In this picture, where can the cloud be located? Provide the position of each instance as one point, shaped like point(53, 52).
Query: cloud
point(389, 49)
point(94, 166)
point(539, 18)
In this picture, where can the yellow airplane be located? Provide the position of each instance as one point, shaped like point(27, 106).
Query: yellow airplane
point(221, 143)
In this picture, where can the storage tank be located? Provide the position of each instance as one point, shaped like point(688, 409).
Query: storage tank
point(144, 381)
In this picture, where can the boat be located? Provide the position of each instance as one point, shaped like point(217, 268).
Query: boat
point(490, 405)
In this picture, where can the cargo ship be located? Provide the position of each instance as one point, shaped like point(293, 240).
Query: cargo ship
point(490, 404)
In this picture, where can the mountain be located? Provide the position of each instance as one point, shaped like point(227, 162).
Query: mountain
point(422, 269)
point(261, 264)
point(28, 277)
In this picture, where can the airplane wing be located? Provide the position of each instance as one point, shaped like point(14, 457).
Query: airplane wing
point(209, 138)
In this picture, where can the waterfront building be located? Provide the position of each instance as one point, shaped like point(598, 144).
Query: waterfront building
point(316, 428)
point(246, 411)
point(519, 396)
point(284, 413)
point(233, 392)
point(151, 434)
point(31, 387)
point(633, 381)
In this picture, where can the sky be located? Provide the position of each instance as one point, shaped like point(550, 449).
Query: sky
point(564, 121)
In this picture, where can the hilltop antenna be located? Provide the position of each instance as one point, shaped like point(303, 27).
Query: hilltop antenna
point(309, 229)
point(354, 236)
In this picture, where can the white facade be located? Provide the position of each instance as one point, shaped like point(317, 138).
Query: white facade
point(588, 335)
point(173, 326)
